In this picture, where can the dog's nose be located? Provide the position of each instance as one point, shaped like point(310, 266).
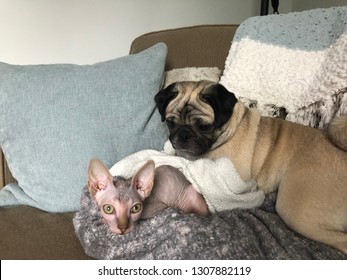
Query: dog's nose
point(185, 134)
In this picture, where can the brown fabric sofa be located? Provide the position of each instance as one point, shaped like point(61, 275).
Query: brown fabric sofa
point(29, 233)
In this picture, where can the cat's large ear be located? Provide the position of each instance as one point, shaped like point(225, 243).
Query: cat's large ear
point(98, 176)
point(143, 180)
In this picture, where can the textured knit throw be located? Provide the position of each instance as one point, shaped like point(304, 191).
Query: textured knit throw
point(297, 61)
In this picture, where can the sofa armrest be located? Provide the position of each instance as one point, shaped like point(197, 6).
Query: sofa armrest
point(2, 175)
point(195, 46)
point(5, 174)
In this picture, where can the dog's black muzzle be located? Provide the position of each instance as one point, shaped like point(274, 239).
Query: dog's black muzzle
point(185, 139)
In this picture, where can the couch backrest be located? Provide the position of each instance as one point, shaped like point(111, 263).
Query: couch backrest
point(196, 46)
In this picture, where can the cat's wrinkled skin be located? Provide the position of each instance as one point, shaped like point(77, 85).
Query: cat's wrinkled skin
point(172, 189)
point(123, 201)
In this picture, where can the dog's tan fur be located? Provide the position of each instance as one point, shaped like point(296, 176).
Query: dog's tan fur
point(302, 163)
point(188, 102)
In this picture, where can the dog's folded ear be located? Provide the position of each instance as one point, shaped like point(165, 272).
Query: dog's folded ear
point(222, 101)
point(163, 98)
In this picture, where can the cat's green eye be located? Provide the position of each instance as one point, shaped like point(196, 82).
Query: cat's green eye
point(136, 208)
point(108, 209)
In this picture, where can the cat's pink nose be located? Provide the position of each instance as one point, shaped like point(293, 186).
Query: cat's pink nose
point(123, 227)
point(123, 230)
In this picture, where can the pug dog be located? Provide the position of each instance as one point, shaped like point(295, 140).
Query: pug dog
point(189, 111)
point(306, 166)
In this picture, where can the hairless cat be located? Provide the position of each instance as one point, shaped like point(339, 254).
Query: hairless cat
point(123, 201)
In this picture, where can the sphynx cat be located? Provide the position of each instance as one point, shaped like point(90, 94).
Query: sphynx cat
point(124, 201)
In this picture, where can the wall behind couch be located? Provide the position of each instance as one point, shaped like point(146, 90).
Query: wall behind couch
point(87, 31)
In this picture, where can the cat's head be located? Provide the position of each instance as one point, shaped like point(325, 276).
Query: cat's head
point(120, 200)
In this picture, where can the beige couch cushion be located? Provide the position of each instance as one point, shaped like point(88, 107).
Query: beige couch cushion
point(196, 46)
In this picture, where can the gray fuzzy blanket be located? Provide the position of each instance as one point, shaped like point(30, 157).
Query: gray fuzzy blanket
point(257, 233)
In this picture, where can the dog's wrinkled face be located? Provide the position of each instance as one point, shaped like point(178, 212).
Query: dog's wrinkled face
point(195, 114)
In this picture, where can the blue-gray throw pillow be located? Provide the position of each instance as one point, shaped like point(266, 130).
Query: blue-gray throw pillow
point(55, 118)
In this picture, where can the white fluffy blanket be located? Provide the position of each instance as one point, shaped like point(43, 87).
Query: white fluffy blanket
point(297, 61)
point(192, 74)
point(217, 180)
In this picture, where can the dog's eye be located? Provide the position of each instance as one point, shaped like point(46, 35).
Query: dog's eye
point(170, 123)
point(205, 128)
